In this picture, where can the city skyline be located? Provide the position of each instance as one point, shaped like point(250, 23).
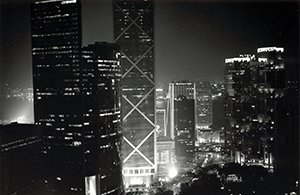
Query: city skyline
point(97, 95)
point(195, 34)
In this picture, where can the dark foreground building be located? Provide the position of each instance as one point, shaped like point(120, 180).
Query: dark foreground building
point(20, 159)
point(184, 130)
point(101, 73)
point(254, 100)
point(261, 111)
point(76, 102)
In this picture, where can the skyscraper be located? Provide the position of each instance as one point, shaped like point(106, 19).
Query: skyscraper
point(254, 107)
point(183, 121)
point(101, 74)
point(161, 113)
point(76, 102)
point(204, 104)
point(176, 90)
point(184, 124)
point(133, 31)
point(56, 56)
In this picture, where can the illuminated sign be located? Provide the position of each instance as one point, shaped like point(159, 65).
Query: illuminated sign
point(238, 59)
point(268, 49)
point(241, 58)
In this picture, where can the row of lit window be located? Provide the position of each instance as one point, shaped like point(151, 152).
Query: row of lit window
point(109, 113)
point(105, 146)
point(56, 16)
point(113, 65)
point(71, 80)
point(53, 47)
point(55, 34)
point(133, 89)
point(72, 89)
point(19, 141)
point(58, 52)
point(6, 147)
point(102, 61)
point(138, 171)
point(108, 135)
point(46, 94)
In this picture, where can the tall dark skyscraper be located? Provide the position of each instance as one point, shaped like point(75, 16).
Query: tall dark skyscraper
point(254, 107)
point(133, 31)
point(184, 115)
point(101, 75)
point(176, 90)
point(183, 121)
point(76, 102)
point(56, 56)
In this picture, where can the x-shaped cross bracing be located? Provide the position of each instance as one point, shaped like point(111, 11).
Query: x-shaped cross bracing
point(132, 22)
point(135, 107)
point(136, 149)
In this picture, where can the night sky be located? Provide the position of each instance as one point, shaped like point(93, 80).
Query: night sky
point(192, 38)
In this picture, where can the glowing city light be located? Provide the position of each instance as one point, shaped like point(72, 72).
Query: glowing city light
point(173, 172)
point(268, 49)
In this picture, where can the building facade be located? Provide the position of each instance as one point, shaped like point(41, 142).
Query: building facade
point(76, 102)
point(183, 121)
point(184, 130)
point(21, 157)
point(254, 106)
point(204, 104)
point(134, 32)
point(162, 113)
point(56, 57)
point(166, 161)
point(101, 75)
point(178, 89)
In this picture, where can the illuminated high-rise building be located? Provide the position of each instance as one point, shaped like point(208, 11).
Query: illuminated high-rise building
point(176, 90)
point(204, 104)
point(183, 121)
point(161, 113)
point(254, 107)
point(76, 102)
point(56, 56)
point(133, 31)
point(165, 144)
point(101, 75)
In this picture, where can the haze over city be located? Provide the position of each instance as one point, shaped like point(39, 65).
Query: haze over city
point(153, 97)
point(196, 35)
point(192, 38)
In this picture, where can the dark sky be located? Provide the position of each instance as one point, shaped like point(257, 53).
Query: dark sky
point(192, 38)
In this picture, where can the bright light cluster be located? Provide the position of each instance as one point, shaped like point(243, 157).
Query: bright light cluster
point(268, 49)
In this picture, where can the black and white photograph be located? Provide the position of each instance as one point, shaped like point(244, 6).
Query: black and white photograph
point(149, 97)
